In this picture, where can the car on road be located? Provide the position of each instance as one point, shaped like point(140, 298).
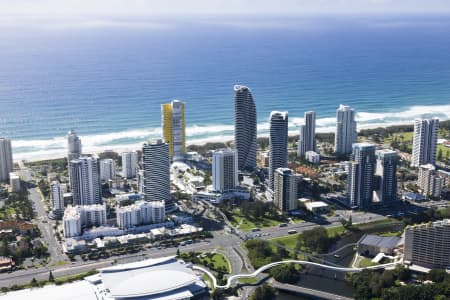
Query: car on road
point(292, 231)
point(283, 225)
point(256, 229)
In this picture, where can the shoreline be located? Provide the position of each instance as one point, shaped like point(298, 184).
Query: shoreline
point(218, 139)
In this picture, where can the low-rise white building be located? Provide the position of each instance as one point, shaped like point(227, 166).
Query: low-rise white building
point(71, 222)
point(312, 157)
point(316, 206)
point(14, 182)
point(140, 213)
point(85, 216)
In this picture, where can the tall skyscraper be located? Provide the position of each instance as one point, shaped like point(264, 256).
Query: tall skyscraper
point(173, 128)
point(73, 146)
point(425, 141)
point(57, 193)
point(244, 127)
point(285, 189)
point(278, 141)
point(345, 130)
point(107, 169)
point(361, 179)
point(85, 181)
point(307, 136)
point(129, 164)
point(224, 170)
point(156, 165)
point(6, 159)
point(386, 173)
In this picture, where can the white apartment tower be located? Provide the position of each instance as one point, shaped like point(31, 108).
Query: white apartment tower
point(428, 245)
point(278, 140)
point(107, 169)
point(140, 213)
point(429, 181)
point(285, 189)
point(425, 141)
point(156, 165)
point(73, 146)
point(307, 136)
point(85, 181)
point(346, 134)
point(129, 164)
point(6, 159)
point(224, 170)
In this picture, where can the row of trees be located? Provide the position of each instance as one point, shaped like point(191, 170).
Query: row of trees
point(386, 285)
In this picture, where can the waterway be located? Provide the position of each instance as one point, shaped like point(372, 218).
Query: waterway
point(327, 280)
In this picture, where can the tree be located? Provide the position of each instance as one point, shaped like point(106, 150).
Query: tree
point(50, 277)
point(316, 239)
point(285, 273)
point(439, 154)
point(437, 275)
point(264, 292)
point(34, 282)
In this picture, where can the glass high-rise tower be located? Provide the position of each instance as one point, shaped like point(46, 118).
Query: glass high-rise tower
point(244, 127)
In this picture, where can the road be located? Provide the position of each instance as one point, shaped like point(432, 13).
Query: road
point(42, 220)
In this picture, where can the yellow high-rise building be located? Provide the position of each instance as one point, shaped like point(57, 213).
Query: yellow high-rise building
point(173, 128)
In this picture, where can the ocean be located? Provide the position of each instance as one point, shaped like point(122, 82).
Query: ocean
point(107, 80)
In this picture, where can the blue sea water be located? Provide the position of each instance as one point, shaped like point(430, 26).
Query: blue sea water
point(107, 82)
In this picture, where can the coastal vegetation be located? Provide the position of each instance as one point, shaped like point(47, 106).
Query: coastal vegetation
point(400, 283)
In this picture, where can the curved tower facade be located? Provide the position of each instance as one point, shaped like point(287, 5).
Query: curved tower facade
point(244, 127)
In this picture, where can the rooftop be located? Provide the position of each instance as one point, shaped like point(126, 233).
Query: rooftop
point(380, 241)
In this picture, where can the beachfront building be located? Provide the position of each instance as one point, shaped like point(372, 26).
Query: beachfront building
point(425, 141)
point(140, 213)
point(73, 146)
point(386, 175)
point(361, 175)
point(224, 170)
point(428, 245)
point(156, 165)
point(85, 181)
point(6, 159)
point(285, 189)
point(107, 169)
point(307, 136)
point(346, 133)
point(129, 164)
point(429, 181)
point(278, 141)
point(174, 128)
point(57, 191)
point(245, 128)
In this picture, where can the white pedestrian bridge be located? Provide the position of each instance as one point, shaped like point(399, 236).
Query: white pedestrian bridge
point(274, 264)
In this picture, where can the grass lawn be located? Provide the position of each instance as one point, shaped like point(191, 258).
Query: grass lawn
point(247, 224)
point(218, 260)
point(366, 262)
point(290, 241)
point(251, 280)
point(390, 233)
point(208, 281)
point(445, 151)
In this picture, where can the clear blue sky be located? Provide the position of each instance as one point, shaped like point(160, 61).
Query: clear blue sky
point(26, 8)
